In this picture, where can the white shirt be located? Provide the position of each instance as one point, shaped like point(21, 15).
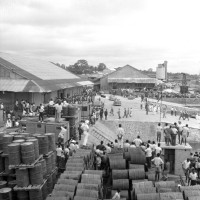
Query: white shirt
point(120, 133)
point(59, 151)
point(66, 151)
point(148, 152)
point(158, 150)
point(132, 146)
point(159, 129)
point(185, 131)
point(126, 145)
point(186, 164)
point(51, 103)
point(193, 176)
point(180, 127)
point(153, 147)
point(72, 146)
point(76, 146)
point(157, 161)
point(108, 149)
point(137, 142)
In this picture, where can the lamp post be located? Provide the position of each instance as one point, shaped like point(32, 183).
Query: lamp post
point(161, 89)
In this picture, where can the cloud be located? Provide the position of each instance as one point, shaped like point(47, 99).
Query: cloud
point(142, 33)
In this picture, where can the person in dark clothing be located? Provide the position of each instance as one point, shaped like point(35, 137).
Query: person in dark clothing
point(106, 114)
point(101, 147)
point(101, 114)
point(80, 131)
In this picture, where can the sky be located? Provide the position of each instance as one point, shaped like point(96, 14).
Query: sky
point(141, 33)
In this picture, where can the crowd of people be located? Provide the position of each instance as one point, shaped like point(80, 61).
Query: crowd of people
point(63, 152)
point(191, 168)
point(173, 134)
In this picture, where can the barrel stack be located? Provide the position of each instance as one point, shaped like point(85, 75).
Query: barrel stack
point(23, 165)
point(69, 184)
point(129, 175)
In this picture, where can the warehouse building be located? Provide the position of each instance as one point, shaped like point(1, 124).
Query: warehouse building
point(35, 80)
point(126, 77)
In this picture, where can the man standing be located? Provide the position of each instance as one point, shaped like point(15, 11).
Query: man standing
point(159, 131)
point(148, 152)
point(164, 111)
point(120, 135)
point(119, 114)
point(172, 111)
point(173, 135)
point(58, 108)
point(193, 177)
point(185, 134)
point(180, 131)
point(106, 114)
point(158, 162)
point(125, 114)
point(137, 141)
point(101, 113)
point(186, 166)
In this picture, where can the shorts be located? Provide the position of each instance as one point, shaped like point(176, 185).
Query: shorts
point(158, 169)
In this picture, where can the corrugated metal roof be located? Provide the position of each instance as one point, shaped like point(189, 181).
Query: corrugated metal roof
point(34, 69)
point(83, 83)
point(131, 80)
point(13, 85)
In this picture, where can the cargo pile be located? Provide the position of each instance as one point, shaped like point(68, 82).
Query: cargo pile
point(129, 176)
point(27, 165)
point(79, 181)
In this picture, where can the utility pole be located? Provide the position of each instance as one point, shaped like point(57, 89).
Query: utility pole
point(161, 89)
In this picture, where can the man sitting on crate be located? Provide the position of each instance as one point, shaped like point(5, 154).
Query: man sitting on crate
point(158, 162)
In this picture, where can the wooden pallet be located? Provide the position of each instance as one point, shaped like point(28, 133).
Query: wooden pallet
point(25, 166)
point(48, 154)
point(7, 174)
point(30, 187)
point(4, 155)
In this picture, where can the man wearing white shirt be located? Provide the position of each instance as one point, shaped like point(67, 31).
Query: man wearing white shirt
point(193, 177)
point(158, 149)
point(132, 145)
point(137, 141)
point(186, 166)
point(158, 162)
point(148, 152)
point(126, 144)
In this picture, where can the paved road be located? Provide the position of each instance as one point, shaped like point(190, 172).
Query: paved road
point(140, 115)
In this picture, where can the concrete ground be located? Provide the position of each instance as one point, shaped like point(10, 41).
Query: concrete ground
point(108, 127)
point(140, 115)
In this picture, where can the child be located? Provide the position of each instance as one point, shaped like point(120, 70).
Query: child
point(166, 169)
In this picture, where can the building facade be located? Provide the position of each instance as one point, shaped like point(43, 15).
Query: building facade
point(161, 71)
point(126, 77)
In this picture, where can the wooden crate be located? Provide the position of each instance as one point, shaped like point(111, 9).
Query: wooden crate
point(31, 127)
point(40, 127)
point(53, 127)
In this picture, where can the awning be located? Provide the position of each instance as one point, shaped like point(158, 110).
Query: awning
point(131, 80)
point(85, 83)
point(21, 85)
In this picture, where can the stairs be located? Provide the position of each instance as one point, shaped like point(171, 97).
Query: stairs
point(98, 134)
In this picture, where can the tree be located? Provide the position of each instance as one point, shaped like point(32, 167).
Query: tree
point(101, 67)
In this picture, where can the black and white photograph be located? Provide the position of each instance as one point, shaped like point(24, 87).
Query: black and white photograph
point(99, 99)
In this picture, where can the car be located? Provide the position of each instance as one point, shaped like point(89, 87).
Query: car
point(112, 97)
point(103, 95)
point(131, 97)
point(117, 102)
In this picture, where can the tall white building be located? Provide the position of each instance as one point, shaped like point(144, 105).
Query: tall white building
point(161, 71)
